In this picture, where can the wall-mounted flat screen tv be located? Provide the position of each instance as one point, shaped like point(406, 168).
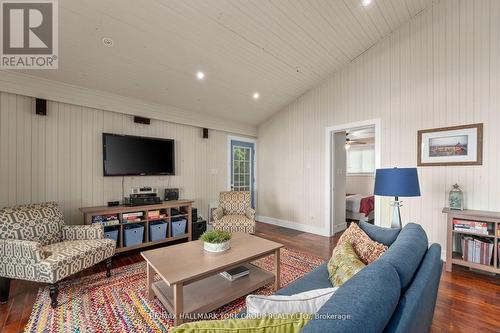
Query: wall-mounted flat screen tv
point(126, 155)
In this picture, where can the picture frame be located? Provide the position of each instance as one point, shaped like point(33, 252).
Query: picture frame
point(448, 146)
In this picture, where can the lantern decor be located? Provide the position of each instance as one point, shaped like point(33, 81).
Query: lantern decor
point(456, 198)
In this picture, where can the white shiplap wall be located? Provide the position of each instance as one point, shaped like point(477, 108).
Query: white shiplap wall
point(362, 184)
point(440, 69)
point(59, 157)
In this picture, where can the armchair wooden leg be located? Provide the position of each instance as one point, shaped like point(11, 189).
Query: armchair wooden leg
point(53, 292)
point(4, 289)
point(108, 267)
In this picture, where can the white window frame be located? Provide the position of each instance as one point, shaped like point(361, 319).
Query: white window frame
point(228, 163)
point(360, 147)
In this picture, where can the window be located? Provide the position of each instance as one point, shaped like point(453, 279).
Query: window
point(361, 159)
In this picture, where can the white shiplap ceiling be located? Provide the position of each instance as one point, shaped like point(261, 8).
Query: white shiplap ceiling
point(278, 48)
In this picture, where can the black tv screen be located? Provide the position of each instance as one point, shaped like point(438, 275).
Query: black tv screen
point(126, 155)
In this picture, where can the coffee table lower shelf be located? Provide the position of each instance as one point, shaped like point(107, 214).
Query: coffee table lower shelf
point(208, 294)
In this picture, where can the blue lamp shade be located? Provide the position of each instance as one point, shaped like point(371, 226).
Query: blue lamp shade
point(397, 182)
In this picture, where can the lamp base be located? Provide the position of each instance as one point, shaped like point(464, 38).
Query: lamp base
point(396, 214)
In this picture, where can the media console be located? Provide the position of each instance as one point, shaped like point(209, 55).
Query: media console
point(170, 210)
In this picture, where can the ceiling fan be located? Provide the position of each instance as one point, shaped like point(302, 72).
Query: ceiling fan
point(350, 142)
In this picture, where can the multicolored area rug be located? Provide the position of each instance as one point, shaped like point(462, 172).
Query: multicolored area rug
point(119, 304)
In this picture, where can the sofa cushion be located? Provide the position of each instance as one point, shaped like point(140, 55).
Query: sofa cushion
point(366, 249)
point(416, 307)
point(236, 220)
point(316, 279)
point(306, 302)
point(343, 264)
point(69, 257)
point(407, 251)
point(281, 324)
point(386, 236)
point(365, 303)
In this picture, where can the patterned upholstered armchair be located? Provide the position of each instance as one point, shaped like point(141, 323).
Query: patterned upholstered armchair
point(35, 245)
point(234, 213)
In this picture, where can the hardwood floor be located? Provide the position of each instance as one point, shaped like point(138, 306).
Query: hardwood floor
point(467, 301)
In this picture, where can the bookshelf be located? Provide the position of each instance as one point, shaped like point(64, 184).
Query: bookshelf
point(180, 208)
point(492, 219)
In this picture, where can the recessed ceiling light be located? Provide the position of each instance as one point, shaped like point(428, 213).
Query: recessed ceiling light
point(366, 3)
point(108, 41)
point(200, 75)
point(256, 95)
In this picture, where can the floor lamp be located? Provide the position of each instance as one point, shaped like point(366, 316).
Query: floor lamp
point(397, 182)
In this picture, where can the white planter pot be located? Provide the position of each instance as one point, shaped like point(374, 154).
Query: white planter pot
point(216, 247)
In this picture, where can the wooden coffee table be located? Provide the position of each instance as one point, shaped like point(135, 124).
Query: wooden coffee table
point(190, 281)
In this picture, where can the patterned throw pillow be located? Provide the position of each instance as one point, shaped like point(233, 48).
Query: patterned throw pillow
point(367, 249)
point(343, 264)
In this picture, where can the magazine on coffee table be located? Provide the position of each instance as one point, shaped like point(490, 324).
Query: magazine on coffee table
point(235, 273)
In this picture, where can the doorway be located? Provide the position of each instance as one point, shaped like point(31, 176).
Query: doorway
point(352, 155)
point(241, 165)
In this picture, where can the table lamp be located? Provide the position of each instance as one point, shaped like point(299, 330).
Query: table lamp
point(397, 182)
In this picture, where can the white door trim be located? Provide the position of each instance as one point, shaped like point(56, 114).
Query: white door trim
point(228, 179)
point(329, 195)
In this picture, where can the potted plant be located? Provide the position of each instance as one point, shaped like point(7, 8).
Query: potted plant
point(216, 240)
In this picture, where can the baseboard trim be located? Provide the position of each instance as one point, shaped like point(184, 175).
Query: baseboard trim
point(340, 227)
point(292, 225)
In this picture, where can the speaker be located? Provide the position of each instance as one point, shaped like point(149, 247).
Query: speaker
point(142, 120)
point(171, 194)
point(205, 133)
point(199, 227)
point(41, 107)
point(194, 214)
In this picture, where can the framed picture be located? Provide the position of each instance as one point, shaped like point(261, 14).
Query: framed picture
point(457, 145)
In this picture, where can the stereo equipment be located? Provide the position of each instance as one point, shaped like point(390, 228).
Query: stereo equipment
point(113, 203)
point(199, 227)
point(142, 199)
point(194, 214)
point(171, 194)
point(41, 107)
point(205, 133)
point(142, 120)
point(145, 190)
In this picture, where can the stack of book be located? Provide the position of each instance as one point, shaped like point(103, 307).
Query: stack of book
point(155, 215)
point(235, 273)
point(475, 227)
point(106, 220)
point(132, 217)
point(476, 250)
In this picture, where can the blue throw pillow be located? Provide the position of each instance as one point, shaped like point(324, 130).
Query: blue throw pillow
point(407, 252)
point(386, 236)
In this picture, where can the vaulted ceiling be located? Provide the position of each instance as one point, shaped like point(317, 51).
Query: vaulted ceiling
point(278, 48)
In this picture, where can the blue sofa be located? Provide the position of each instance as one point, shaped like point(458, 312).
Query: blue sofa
point(396, 293)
